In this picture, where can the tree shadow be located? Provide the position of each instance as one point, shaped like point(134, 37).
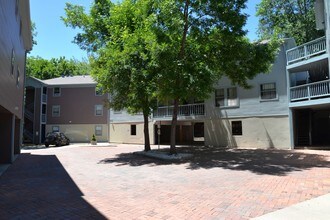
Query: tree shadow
point(259, 161)
point(38, 187)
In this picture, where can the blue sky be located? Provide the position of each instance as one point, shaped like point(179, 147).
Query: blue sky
point(54, 39)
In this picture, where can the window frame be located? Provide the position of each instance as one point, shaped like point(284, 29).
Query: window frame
point(96, 110)
point(57, 94)
point(98, 91)
point(59, 111)
point(98, 132)
point(237, 131)
point(226, 98)
point(133, 130)
point(56, 126)
point(18, 73)
point(261, 91)
point(12, 62)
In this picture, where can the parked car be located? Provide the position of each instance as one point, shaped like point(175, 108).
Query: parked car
point(57, 139)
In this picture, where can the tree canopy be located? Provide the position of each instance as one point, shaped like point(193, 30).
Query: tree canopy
point(123, 55)
point(167, 49)
point(288, 18)
point(201, 42)
point(55, 67)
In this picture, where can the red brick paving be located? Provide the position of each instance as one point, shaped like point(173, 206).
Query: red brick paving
point(111, 183)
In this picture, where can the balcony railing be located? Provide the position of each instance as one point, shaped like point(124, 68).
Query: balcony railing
point(184, 110)
point(310, 91)
point(306, 51)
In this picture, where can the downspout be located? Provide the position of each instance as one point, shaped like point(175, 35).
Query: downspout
point(288, 84)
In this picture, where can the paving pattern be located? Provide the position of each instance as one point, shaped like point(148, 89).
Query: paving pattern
point(109, 182)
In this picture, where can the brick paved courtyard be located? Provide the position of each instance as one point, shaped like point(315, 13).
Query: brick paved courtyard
point(80, 182)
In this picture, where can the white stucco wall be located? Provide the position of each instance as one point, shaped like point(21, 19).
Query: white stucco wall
point(121, 133)
point(81, 132)
point(257, 132)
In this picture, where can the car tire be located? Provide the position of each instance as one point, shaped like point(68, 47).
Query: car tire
point(46, 145)
point(58, 144)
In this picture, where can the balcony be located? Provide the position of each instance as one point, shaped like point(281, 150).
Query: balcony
point(184, 110)
point(306, 51)
point(310, 91)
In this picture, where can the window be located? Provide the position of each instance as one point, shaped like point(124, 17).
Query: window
point(268, 91)
point(17, 77)
point(199, 131)
point(12, 62)
point(98, 91)
point(116, 112)
point(133, 129)
point(98, 130)
point(236, 128)
point(226, 97)
point(98, 110)
point(55, 128)
point(56, 111)
point(57, 91)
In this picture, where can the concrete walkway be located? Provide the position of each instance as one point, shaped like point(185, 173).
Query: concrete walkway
point(110, 182)
point(314, 209)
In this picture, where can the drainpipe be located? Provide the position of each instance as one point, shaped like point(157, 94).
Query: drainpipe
point(288, 84)
point(327, 29)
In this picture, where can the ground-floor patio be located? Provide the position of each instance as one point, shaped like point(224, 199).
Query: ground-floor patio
point(109, 182)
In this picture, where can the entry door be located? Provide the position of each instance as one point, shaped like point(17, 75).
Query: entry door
point(303, 125)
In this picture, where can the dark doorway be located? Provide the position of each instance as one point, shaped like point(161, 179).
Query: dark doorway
point(312, 127)
point(186, 133)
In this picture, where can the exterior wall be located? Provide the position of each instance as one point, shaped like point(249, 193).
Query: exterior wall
point(121, 133)
point(15, 40)
point(77, 106)
point(81, 132)
point(11, 93)
point(123, 116)
point(257, 132)
point(264, 123)
point(250, 104)
point(37, 116)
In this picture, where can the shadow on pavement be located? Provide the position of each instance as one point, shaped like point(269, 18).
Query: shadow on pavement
point(38, 187)
point(259, 161)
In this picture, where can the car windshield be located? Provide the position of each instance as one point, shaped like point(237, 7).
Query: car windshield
point(51, 134)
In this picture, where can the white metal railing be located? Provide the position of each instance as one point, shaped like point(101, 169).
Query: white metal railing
point(306, 50)
point(310, 91)
point(184, 110)
point(44, 98)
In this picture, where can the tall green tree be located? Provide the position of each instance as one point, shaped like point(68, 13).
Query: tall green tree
point(171, 49)
point(288, 18)
point(55, 67)
point(123, 52)
point(203, 41)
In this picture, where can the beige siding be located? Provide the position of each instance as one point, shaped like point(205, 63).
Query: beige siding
point(257, 132)
point(121, 133)
point(81, 132)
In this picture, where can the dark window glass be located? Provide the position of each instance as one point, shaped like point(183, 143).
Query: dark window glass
point(236, 127)
point(133, 129)
point(268, 91)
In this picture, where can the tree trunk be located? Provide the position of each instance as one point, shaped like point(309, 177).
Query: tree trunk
point(173, 126)
point(146, 132)
point(181, 58)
